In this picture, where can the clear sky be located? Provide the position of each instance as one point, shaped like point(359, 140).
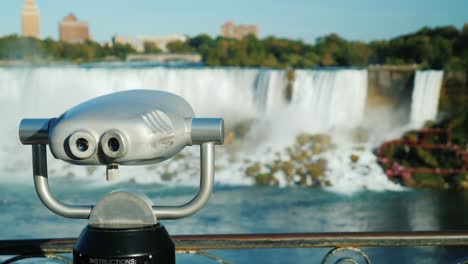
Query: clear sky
point(298, 19)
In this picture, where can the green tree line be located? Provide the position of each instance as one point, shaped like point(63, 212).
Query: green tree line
point(437, 48)
point(32, 49)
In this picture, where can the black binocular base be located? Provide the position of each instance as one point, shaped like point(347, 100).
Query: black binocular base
point(144, 245)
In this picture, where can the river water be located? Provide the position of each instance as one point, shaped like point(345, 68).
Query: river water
point(360, 197)
point(234, 210)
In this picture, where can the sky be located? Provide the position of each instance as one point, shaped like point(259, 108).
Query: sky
point(296, 19)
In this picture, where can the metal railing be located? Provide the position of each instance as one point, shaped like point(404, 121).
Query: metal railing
point(341, 243)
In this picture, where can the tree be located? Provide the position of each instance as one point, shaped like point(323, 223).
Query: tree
point(122, 50)
point(199, 41)
point(151, 47)
point(179, 47)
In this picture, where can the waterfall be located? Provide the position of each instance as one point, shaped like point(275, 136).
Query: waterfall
point(425, 98)
point(269, 90)
point(49, 91)
point(46, 92)
point(322, 101)
point(331, 99)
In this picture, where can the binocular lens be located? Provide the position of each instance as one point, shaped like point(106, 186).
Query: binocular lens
point(113, 144)
point(82, 144)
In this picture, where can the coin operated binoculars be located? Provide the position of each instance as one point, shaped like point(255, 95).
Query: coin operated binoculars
point(134, 127)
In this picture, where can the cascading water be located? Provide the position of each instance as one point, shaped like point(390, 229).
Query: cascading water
point(209, 91)
point(331, 99)
point(425, 98)
point(322, 101)
point(49, 91)
point(269, 90)
point(333, 102)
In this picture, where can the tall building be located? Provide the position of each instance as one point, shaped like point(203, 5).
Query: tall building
point(230, 30)
point(72, 30)
point(30, 19)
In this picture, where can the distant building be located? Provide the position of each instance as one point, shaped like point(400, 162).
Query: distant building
point(72, 30)
point(230, 30)
point(160, 41)
point(30, 19)
point(138, 43)
point(124, 40)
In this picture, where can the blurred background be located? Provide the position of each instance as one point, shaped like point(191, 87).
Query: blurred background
point(340, 116)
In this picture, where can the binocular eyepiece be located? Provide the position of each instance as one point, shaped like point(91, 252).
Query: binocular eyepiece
point(82, 145)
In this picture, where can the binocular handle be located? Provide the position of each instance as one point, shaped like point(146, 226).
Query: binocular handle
point(41, 183)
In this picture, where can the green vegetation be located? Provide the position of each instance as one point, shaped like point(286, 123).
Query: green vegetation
point(36, 50)
point(450, 154)
point(150, 47)
point(427, 180)
point(437, 48)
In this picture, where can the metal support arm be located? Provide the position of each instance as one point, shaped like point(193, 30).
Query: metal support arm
point(41, 182)
point(204, 193)
point(39, 153)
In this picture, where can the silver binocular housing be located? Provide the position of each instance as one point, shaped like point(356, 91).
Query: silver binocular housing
point(135, 127)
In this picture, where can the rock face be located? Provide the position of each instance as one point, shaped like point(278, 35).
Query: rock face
point(454, 92)
point(299, 166)
point(391, 81)
point(354, 158)
point(391, 87)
